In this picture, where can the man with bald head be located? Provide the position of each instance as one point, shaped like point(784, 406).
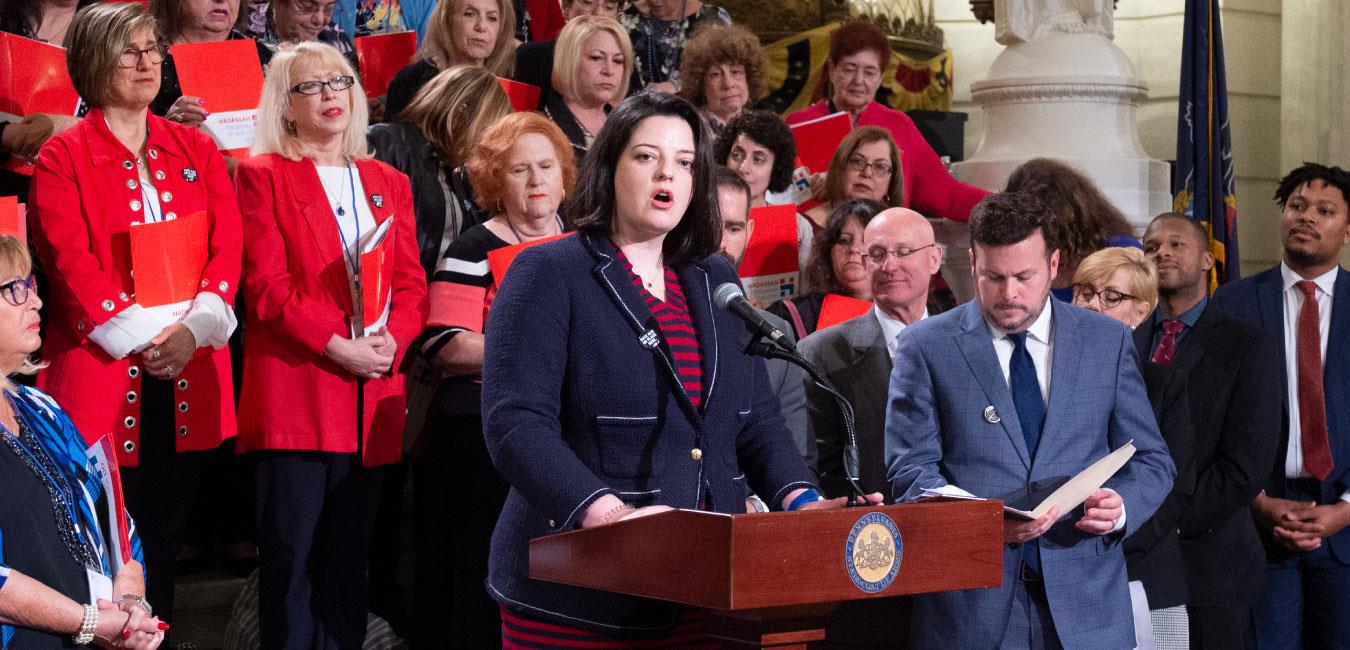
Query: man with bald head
point(857, 355)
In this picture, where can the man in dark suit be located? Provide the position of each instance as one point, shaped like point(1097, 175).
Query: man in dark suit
point(902, 254)
point(1224, 369)
point(1304, 303)
point(787, 380)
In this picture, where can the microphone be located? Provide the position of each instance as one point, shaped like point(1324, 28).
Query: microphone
point(728, 296)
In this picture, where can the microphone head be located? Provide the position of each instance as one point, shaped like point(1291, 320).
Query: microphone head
point(725, 293)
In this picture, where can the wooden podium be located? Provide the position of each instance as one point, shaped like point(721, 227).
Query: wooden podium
point(770, 580)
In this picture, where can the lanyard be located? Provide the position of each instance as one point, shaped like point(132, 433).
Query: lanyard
point(353, 261)
point(63, 487)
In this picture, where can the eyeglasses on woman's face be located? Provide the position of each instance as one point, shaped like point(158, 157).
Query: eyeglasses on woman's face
point(131, 56)
point(16, 291)
point(879, 168)
point(1083, 294)
point(338, 83)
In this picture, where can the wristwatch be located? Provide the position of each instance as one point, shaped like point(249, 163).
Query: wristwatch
point(138, 600)
point(86, 633)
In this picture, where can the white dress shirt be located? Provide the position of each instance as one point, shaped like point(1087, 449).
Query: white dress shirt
point(891, 328)
point(1292, 298)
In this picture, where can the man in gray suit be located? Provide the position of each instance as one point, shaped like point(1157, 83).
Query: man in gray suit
point(733, 201)
point(1008, 396)
point(902, 255)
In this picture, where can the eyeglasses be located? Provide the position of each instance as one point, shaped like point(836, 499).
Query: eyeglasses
point(1084, 293)
point(131, 56)
point(16, 291)
point(315, 87)
point(858, 163)
point(311, 8)
point(878, 255)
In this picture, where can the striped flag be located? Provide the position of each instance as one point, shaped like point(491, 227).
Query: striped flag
point(1203, 183)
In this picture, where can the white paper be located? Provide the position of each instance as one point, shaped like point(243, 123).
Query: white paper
point(950, 491)
point(232, 129)
point(764, 290)
point(1074, 492)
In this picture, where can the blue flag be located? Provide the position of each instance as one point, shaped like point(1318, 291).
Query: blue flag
point(1204, 188)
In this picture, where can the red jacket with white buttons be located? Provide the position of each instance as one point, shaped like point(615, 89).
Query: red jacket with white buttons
point(85, 196)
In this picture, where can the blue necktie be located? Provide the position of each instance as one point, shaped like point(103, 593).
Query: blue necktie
point(1026, 394)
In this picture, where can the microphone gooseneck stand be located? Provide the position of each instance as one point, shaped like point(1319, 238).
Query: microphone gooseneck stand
point(762, 348)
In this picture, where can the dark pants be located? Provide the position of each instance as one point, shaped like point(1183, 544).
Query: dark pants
point(158, 493)
point(1221, 628)
point(1303, 603)
point(314, 514)
point(458, 496)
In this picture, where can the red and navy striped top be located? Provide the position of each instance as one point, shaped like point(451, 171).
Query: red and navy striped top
point(677, 328)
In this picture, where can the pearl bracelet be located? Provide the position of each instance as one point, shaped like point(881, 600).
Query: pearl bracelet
point(86, 633)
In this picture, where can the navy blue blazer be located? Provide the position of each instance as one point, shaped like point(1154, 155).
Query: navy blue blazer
point(1257, 300)
point(575, 406)
point(945, 380)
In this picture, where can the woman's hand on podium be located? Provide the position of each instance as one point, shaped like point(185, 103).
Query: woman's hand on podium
point(873, 499)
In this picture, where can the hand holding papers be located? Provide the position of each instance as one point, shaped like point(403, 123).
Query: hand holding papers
point(227, 76)
point(33, 80)
point(1077, 490)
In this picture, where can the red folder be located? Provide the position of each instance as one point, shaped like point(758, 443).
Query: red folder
point(524, 97)
point(818, 139)
point(116, 528)
point(377, 279)
point(499, 260)
point(167, 258)
point(228, 77)
point(33, 79)
point(838, 308)
point(773, 244)
point(13, 219)
point(381, 57)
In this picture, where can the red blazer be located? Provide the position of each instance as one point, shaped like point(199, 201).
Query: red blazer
point(297, 296)
point(84, 198)
point(929, 188)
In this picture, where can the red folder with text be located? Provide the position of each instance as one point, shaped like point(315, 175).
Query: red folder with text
point(167, 259)
point(381, 57)
point(769, 268)
point(13, 218)
point(524, 97)
point(499, 260)
point(33, 79)
point(111, 507)
point(228, 78)
point(817, 139)
point(377, 279)
point(838, 308)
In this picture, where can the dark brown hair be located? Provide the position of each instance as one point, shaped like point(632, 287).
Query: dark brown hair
point(819, 274)
point(855, 36)
point(1084, 216)
point(1007, 218)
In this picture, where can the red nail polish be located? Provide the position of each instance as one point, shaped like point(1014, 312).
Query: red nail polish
point(163, 626)
point(126, 634)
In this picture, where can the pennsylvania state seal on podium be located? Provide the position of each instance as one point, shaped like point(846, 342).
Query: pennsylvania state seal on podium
point(873, 552)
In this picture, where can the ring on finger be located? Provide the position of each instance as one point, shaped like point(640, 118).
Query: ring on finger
point(156, 354)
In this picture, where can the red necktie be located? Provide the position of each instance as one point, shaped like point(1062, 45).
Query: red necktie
point(1312, 404)
point(1167, 347)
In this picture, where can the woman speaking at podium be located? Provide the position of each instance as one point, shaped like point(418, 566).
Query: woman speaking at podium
point(613, 388)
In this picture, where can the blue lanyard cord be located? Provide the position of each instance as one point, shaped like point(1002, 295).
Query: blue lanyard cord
point(63, 487)
point(353, 261)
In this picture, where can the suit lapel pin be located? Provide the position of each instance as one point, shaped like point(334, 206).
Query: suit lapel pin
point(377, 200)
point(649, 340)
point(189, 174)
point(991, 415)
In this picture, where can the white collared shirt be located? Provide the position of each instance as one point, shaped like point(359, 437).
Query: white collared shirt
point(1292, 299)
point(1039, 346)
point(891, 328)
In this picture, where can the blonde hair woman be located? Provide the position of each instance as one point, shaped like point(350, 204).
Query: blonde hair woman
point(321, 408)
point(1120, 282)
point(459, 32)
point(431, 142)
point(591, 68)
